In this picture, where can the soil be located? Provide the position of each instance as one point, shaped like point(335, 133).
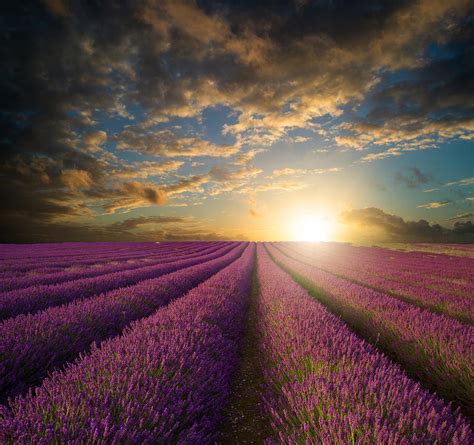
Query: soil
point(244, 420)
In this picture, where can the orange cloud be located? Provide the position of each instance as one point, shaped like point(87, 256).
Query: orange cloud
point(76, 179)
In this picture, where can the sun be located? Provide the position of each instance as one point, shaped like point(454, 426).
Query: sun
point(312, 228)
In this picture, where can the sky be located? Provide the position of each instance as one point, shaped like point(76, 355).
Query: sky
point(170, 120)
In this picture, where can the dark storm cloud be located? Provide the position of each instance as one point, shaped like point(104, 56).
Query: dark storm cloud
point(71, 69)
point(396, 228)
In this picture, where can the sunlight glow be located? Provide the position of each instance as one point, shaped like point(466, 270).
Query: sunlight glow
point(312, 228)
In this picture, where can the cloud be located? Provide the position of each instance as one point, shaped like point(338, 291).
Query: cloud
point(133, 194)
point(103, 89)
point(185, 204)
point(153, 228)
point(133, 223)
point(148, 191)
point(176, 58)
point(434, 205)
point(389, 153)
point(395, 228)
point(299, 139)
point(76, 179)
point(301, 171)
point(58, 7)
point(169, 144)
point(254, 213)
point(223, 173)
point(225, 178)
point(190, 184)
point(414, 178)
point(426, 104)
point(287, 172)
point(146, 169)
point(348, 141)
point(95, 138)
point(245, 158)
point(286, 186)
point(461, 216)
point(40, 188)
point(462, 182)
point(464, 228)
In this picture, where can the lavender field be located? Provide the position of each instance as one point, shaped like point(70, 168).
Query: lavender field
point(236, 342)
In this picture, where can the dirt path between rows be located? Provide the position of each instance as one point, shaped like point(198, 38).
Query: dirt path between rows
point(244, 421)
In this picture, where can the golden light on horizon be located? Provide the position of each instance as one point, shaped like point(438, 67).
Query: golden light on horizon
point(312, 228)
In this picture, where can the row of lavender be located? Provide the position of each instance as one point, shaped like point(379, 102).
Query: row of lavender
point(89, 256)
point(167, 377)
point(74, 271)
point(443, 272)
point(33, 344)
point(35, 298)
point(45, 255)
point(10, 252)
point(75, 249)
point(326, 385)
point(38, 267)
point(437, 267)
point(454, 300)
point(163, 381)
point(445, 248)
point(436, 349)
